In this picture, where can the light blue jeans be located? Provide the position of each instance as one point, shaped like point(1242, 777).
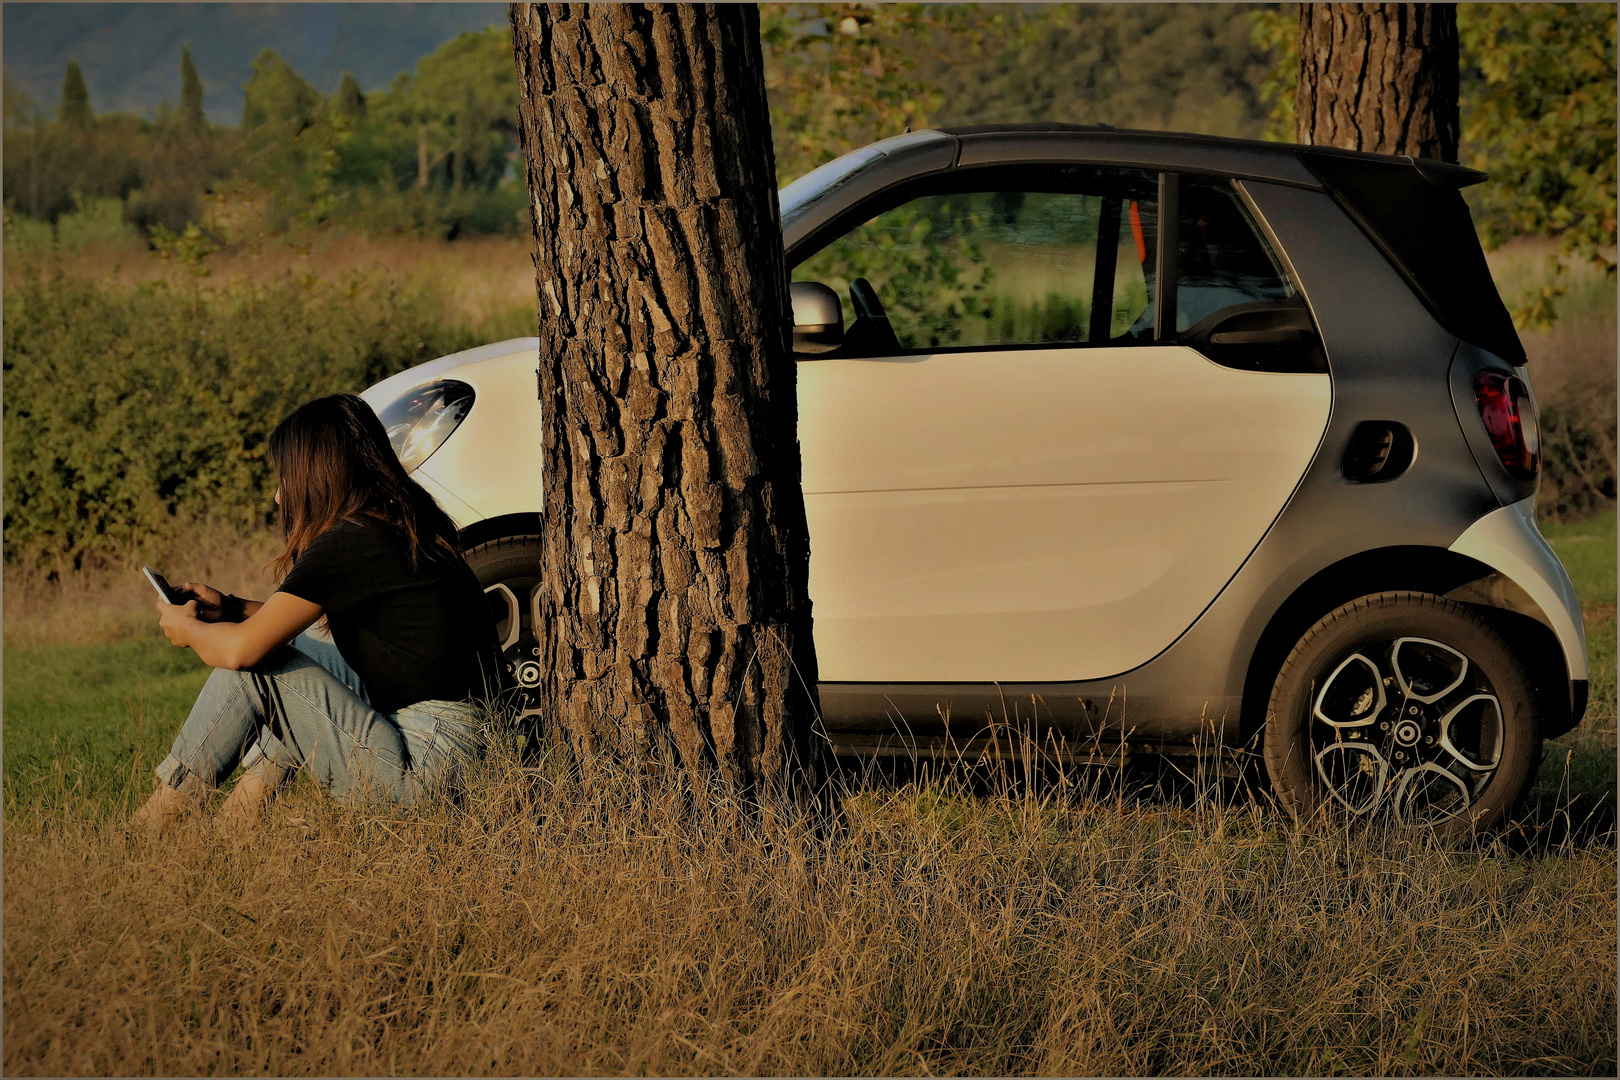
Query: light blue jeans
point(304, 707)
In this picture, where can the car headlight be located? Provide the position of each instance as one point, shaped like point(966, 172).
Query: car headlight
point(418, 423)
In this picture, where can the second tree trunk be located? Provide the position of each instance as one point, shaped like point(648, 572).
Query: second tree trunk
point(1379, 77)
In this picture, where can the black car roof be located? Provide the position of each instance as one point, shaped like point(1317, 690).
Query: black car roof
point(1281, 162)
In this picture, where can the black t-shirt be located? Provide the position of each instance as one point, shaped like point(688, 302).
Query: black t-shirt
point(420, 633)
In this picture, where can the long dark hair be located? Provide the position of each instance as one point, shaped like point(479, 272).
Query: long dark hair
point(335, 464)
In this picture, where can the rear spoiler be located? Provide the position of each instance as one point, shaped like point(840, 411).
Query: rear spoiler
point(1442, 174)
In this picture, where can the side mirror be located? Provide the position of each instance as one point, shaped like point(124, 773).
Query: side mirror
point(818, 318)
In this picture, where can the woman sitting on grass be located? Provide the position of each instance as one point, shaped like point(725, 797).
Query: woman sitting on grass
point(388, 711)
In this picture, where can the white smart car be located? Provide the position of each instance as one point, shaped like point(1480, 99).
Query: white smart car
point(1155, 439)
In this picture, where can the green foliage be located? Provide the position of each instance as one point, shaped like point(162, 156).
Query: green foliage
point(136, 413)
point(433, 156)
point(843, 75)
point(1539, 115)
point(984, 269)
point(451, 124)
point(177, 168)
point(51, 169)
point(840, 76)
point(1187, 67)
point(1538, 109)
point(930, 278)
point(429, 214)
point(350, 100)
point(192, 117)
point(75, 110)
point(1274, 30)
point(93, 221)
point(276, 94)
point(1577, 449)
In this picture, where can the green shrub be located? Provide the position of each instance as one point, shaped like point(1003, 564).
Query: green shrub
point(1577, 446)
point(137, 412)
point(98, 220)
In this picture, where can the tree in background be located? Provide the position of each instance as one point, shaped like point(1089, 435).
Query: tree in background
point(1539, 116)
point(191, 116)
point(1182, 67)
point(29, 155)
point(674, 602)
point(840, 76)
point(276, 94)
point(1378, 77)
point(1537, 108)
point(177, 159)
point(350, 100)
point(1274, 30)
point(843, 75)
point(292, 143)
point(437, 152)
point(75, 111)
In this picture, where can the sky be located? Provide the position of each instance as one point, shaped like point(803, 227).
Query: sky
point(130, 53)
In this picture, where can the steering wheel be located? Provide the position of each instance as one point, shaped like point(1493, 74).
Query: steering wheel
point(864, 299)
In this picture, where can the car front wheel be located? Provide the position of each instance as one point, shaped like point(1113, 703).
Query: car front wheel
point(1403, 707)
point(508, 570)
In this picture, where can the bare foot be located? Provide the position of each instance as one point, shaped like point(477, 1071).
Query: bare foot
point(162, 809)
point(255, 790)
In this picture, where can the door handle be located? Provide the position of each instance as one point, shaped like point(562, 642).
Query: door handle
point(1288, 335)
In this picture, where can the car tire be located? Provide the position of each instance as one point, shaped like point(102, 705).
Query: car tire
point(1403, 707)
point(508, 570)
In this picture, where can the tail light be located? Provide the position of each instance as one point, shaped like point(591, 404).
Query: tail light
point(1510, 417)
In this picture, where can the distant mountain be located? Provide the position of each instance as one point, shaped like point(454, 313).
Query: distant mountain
point(130, 53)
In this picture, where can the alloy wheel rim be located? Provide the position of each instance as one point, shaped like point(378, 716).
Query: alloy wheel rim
point(1409, 727)
point(515, 606)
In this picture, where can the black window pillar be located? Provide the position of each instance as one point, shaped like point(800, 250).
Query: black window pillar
point(1164, 301)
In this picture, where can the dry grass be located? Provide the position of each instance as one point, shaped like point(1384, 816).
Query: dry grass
point(1575, 357)
point(560, 922)
point(595, 922)
point(487, 281)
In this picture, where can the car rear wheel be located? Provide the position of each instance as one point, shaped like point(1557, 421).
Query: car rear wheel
point(1402, 707)
point(508, 570)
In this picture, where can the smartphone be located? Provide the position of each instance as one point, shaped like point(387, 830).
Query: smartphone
point(169, 593)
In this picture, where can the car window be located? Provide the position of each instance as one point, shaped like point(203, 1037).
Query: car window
point(1004, 264)
point(1221, 258)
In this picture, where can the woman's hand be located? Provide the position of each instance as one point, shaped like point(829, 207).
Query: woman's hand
point(178, 621)
point(214, 606)
point(238, 645)
point(210, 602)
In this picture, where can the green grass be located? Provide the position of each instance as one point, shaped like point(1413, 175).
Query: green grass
point(93, 719)
point(1587, 549)
point(1583, 762)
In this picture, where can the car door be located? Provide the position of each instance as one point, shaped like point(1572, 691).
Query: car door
point(1012, 470)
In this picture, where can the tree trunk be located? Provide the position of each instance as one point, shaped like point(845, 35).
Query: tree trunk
point(675, 615)
point(1379, 77)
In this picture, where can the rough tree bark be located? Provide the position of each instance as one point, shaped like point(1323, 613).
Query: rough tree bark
point(1379, 77)
point(675, 614)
